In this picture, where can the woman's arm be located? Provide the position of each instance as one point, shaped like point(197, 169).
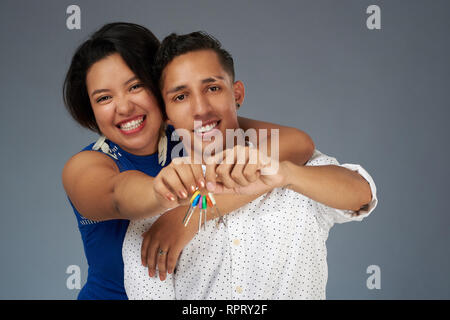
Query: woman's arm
point(101, 192)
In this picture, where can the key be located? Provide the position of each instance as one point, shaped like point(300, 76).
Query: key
point(196, 193)
point(200, 214)
point(192, 209)
point(204, 209)
point(208, 199)
point(221, 219)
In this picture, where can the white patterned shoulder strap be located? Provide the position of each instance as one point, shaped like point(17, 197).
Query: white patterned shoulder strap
point(102, 145)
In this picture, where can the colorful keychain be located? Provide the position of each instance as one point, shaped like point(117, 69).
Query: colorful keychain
point(203, 202)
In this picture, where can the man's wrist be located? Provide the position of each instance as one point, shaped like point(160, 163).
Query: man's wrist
point(285, 170)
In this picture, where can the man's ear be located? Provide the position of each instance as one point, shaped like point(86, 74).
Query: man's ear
point(239, 92)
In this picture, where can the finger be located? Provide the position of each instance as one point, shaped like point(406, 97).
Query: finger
point(151, 258)
point(172, 258)
point(223, 170)
point(242, 157)
point(198, 175)
point(162, 264)
point(251, 172)
point(144, 248)
point(173, 182)
point(210, 172)
point(186, 176)
point(162, 189)
point(238, 176)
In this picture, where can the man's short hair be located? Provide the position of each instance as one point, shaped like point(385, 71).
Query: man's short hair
point(176, 45)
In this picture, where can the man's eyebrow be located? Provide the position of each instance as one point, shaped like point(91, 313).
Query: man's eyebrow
point(212, 79)
point(107, 90)
point(182, 87)
point(175, 89)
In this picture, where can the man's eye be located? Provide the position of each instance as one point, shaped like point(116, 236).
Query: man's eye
point(214, 88)
point(180, 97)
point(104, 98)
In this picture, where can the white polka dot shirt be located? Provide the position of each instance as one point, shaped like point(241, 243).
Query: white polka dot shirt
point(272, 248)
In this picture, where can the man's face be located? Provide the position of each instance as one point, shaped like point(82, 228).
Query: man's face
point(197, 88)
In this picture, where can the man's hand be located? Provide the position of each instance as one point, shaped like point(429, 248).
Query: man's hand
point(241, 170)
point(169, 235)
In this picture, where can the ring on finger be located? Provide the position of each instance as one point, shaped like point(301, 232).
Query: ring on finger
point(161, 252)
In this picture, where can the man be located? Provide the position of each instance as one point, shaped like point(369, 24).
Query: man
point(272, 248)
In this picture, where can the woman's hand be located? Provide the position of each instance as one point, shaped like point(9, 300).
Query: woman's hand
point(177, 181)
point(169, 235)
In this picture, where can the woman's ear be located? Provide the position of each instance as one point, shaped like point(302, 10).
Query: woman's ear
point(239, 92)
point(167, 121)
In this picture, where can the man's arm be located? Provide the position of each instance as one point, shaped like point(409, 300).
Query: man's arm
point(332, 185)
point(295, 145)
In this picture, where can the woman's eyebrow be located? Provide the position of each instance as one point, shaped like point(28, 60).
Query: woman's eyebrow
point(130, 80)
point(106, 90)
point(98, 91)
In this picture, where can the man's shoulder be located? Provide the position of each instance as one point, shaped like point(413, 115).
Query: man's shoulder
point(320, 159)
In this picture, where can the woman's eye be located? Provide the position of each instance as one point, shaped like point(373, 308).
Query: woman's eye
point(136, 86)
point(104, 98)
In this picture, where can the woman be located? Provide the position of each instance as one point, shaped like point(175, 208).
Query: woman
point(109, 88)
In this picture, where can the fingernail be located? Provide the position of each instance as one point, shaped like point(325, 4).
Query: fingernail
point(170, 197)
point(202, 183)
point(192, 189)
point(210, 186)
point(182, 194)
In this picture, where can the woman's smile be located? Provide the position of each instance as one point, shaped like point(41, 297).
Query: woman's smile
point(133, 125)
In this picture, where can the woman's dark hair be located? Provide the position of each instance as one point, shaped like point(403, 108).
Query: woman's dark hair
point(134, 43)
point(175, 45)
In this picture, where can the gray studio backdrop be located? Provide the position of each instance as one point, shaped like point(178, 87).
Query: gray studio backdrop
point(374, 97)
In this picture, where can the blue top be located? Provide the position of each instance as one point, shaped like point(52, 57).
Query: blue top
point(103, 240)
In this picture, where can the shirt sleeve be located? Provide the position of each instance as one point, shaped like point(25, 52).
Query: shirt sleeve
point(333, 215)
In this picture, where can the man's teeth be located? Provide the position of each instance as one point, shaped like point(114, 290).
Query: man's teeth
point(206, 128)
point(132, 124)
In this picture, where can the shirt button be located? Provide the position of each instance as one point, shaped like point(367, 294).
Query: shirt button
point(236, 242)
point(238, 289)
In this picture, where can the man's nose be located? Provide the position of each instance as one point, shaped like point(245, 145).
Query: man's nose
point(200, 106)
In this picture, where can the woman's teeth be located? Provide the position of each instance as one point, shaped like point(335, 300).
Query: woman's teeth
point(206, 128)
point(131, 125)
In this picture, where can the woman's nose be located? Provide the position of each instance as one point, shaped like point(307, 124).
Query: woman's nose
point(124, 106)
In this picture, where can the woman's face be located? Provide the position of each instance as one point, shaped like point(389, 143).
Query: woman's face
point(125, 112)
